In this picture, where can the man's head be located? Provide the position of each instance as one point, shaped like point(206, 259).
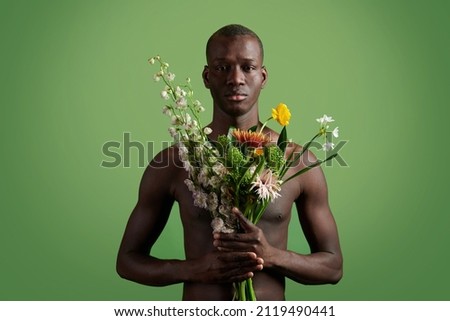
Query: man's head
point(234, 30)
point(235, 73)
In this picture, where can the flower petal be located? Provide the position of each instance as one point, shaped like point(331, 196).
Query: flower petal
point(281, 114)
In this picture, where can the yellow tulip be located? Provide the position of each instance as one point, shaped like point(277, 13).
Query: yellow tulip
point(281, 114)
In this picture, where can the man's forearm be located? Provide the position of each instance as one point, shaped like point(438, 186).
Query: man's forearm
point(315, 268)
point(150, 270)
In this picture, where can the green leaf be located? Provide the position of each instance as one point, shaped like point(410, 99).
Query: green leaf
point(253, 129)
point(230, 133)
point(282, 139)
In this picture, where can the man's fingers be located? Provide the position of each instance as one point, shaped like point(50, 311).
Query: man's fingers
point(238, 257)
point(245, 223)
point(234, 266)
point(234, 246)
point(237, 241)
point(241, 259)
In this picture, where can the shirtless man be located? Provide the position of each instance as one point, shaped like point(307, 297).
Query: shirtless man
point(235, 76)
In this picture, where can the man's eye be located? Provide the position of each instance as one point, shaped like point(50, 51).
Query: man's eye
point(221, 68)
point(248, 68)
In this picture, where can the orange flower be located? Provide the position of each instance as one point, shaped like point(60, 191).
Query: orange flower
point(259, 151)
point(249, 138)
point(281, 114)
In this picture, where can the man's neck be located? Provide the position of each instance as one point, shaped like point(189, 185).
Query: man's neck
point(221, 123)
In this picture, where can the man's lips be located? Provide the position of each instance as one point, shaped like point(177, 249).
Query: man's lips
point(235, 96)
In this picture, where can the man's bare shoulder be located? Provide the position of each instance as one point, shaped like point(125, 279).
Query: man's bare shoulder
point(164, 171)
point(300, 158)
point(167, 158)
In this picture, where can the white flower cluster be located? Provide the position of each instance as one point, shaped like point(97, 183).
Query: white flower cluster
point(323, 121)
point(199, 157)
point(180, 107)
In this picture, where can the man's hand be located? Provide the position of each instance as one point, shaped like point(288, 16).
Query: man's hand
point(252, 240)
point(225, 267)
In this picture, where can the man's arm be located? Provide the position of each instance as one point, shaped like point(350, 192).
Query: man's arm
point(324, 263)
point(147, 221)
point(144, 226)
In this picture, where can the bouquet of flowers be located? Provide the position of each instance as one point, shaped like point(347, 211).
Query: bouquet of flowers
point(242, 169)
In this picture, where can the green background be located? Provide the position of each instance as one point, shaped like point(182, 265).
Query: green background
point(74, 75)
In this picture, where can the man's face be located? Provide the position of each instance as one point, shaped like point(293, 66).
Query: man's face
point(235, 75)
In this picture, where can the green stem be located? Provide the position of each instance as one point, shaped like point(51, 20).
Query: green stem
point(291, 159)
point(242, 296)
point(309, 167)
point(265, 123)
point(260, 210)
point(251, 292)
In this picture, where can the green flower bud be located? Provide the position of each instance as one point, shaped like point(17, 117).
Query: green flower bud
point(235, 157)
point(274, 157)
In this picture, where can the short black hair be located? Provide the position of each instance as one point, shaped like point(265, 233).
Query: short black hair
point(234, 30)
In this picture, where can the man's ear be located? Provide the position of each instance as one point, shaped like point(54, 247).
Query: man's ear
point(205, 76)
point(265, 75)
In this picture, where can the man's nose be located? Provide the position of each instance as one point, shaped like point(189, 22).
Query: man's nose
point(235, 77)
